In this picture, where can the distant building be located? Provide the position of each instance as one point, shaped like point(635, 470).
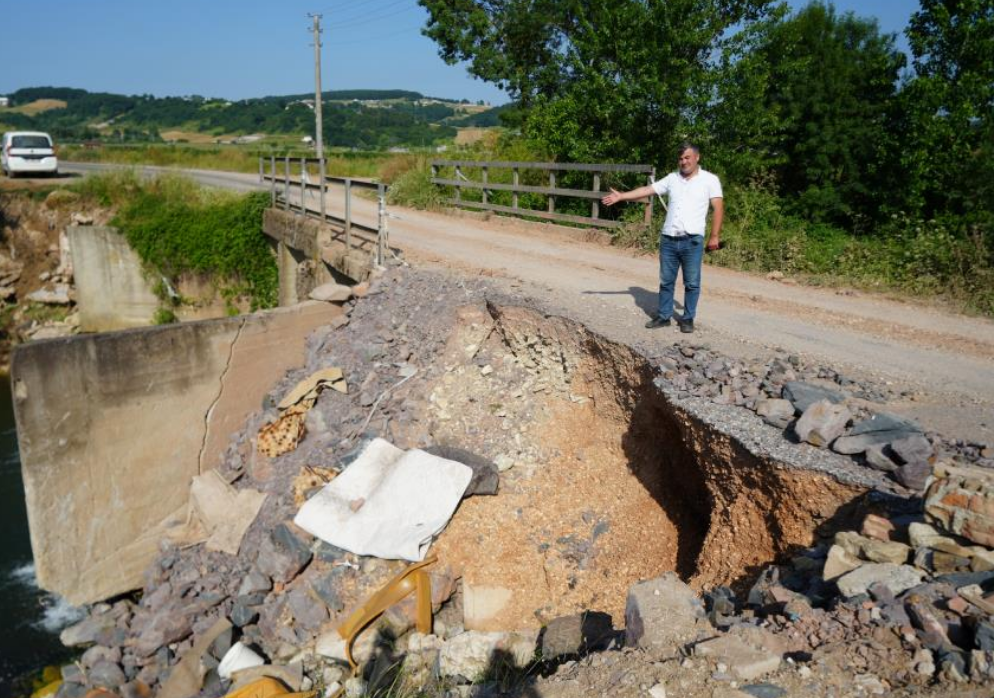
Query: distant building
point(4, 101)
point(307, 140)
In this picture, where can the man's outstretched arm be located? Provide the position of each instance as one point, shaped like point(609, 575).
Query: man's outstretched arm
point(634, 195)
point(717, 218)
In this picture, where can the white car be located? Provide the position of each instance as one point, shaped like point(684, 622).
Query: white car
point(28, 152)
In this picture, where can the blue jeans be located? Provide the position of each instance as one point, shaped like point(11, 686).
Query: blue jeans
point(680, 253)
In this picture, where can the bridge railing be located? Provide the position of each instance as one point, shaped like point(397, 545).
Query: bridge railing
point(290, 179)
point(460, 182)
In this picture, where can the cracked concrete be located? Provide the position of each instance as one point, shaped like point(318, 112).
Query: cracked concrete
point(143, 411)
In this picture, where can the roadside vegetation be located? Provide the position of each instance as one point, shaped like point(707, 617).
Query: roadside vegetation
point(176, 226)
point(842, 164)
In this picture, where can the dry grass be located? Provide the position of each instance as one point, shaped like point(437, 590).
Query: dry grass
point(470, 108)
point(192, 137)
point(469, 135)
point(38, 106)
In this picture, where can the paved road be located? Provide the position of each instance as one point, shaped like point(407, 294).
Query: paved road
point(945, 361)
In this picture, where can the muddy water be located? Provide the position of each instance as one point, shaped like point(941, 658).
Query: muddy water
point(30, 619)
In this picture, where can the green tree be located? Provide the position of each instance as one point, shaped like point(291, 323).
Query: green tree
point(599, 80)
point(830, 95)
point(948, 108)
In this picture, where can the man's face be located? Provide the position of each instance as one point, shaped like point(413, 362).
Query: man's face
point(688, 161)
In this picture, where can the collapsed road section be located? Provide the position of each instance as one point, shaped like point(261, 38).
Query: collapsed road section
point(608, 523)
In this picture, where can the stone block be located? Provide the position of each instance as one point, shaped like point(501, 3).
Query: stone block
point(664, 613)
point(331, 293)
point(897, 578)
point(879, 429)
point(283, 554)
point(473, 654)
point(839, 562)
point(960, 500)
point(577, 634)
point(482, 605)
point(745, 660)
point(776, 412)
point(914, 476)
point(822, 423)
point(802, 395)
point(913, 449)
point(878, 528)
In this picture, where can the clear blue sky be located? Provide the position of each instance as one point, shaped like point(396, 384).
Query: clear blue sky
point(249, 48)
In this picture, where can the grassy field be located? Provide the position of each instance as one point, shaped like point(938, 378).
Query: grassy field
point(230, 158)
point(35, 107)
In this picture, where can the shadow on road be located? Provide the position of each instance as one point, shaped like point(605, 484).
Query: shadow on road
point(645, 300)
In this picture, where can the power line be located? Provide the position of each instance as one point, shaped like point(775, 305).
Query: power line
point(375, 37)
point(350, 12)
point(371, 18)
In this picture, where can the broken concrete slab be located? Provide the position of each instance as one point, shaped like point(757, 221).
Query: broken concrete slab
point(109, 392)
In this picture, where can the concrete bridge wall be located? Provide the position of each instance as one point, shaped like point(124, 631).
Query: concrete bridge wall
point(113, 426)
point(310, 253)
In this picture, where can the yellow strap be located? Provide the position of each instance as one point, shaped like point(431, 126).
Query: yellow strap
point(413, 578)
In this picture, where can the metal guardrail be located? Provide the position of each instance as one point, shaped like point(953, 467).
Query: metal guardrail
point(280, 188)
point(594, 194)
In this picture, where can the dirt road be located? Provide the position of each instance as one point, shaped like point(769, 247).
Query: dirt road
point(942, 362)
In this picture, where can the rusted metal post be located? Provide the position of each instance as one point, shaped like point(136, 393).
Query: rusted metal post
point(552, 185)
point(514, 194)
point(348, 214)
point(286, 182)
point(595, 203)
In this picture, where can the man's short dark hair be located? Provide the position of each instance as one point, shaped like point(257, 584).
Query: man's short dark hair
point(685, 146)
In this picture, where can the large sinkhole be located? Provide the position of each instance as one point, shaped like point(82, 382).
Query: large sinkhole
point(606, 481)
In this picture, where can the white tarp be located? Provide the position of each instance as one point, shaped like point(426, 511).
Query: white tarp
point(388, 504)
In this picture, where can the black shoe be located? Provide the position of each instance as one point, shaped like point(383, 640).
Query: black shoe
point(686, 326)
point(657, 322)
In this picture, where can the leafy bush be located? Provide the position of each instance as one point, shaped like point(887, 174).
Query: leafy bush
point(175, 226)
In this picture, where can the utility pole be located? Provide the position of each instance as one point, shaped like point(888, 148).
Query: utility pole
point(319, 136)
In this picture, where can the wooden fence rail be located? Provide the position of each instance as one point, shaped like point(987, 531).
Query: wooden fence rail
point(459, 182)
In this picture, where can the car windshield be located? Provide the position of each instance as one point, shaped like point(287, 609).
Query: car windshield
point(30, 142)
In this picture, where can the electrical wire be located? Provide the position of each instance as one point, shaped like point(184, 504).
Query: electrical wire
point(367, 19)
point(364, 10)
point(375, 37)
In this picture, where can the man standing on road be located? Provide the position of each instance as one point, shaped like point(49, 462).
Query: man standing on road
point(681, 244)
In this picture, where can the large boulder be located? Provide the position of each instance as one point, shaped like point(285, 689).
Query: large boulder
point(802, 395)
point(881, 428)
point(822, 423)
point(664, 613)
point(896, 578)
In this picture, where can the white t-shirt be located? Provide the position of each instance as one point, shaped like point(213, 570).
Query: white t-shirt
point(688, 203)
